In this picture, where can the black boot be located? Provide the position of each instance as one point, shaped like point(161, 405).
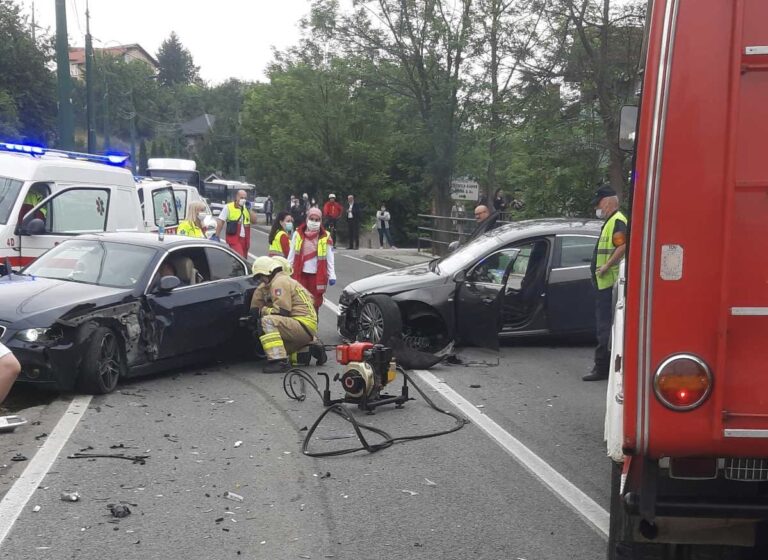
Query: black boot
point(303, 358)
point(596, 375)
point(276, 366)
point(317, 351)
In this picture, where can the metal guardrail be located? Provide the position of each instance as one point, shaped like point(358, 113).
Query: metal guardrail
point(441, 231)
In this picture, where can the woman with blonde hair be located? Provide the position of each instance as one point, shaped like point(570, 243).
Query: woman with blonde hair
point(194, 225)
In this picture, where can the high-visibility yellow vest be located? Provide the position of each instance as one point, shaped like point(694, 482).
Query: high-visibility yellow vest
point(322, 246)
point(605, 249)
point(188, 228)
point(241, 212)
point(34, 198)
point(276, 249)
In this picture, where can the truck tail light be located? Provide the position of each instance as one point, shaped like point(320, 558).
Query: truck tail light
point(682, 382)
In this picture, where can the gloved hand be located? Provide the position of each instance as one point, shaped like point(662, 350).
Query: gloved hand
point(215, 237)
point(269, 311)
point(332, 281)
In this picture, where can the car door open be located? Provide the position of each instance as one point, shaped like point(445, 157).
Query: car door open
point(479, 297)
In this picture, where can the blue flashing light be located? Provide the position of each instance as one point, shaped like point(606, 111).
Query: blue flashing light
point(115, 159)
point(21, 148)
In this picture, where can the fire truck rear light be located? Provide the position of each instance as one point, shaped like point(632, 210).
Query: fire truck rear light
point(682, 382)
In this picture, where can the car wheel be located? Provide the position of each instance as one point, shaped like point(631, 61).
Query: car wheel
point(102, 362)
point(379, 320)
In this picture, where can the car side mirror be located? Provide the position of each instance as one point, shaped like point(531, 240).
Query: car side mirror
point(32, 226)
point(460, 276)
point(168, 283)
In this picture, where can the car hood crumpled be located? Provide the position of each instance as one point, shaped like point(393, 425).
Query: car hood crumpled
point(396, 281)
point(43, 300)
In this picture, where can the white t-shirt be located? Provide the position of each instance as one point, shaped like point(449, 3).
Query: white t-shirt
point(225, 213)
point(350, 214)
point(4, 351)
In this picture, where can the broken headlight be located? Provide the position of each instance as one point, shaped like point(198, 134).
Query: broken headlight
point(38, 335)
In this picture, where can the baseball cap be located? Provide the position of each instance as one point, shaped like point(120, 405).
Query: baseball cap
point(603, 192)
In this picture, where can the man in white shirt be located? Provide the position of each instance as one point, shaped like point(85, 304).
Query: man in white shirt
point(9, 370)
point(353, 223)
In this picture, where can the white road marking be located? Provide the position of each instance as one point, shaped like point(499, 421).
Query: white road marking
point(332, 306)
point(22, 490)
point(585, 506)
point(364, 261)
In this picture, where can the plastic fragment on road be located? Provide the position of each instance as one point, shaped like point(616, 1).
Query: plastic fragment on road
point(232, 496)
point(411, 492)
point(429, 482)
point(10, 423)
point(36, 509)
point(70, 496)
point(119, 510)
point(19, 457)
point(238, 443)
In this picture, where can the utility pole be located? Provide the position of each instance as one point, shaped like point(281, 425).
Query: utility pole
point(106, 114)
point(66, 117)
point(90, 78)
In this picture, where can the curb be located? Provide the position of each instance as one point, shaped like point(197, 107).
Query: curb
point(389, 262)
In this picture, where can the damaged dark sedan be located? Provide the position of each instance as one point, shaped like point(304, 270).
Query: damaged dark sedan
point(100, 307)
point(526, 278)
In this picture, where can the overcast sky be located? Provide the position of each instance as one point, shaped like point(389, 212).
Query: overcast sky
point(227, 38)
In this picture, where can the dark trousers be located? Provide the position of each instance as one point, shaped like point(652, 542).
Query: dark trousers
point(384, 233)
point(354, 234)
point(604, 316)
point(268, 215)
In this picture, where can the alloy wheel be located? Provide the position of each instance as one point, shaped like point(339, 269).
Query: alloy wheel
point(371, 322)
point(109, 360)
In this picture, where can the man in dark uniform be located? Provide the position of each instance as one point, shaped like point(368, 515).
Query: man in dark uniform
point(609, 251)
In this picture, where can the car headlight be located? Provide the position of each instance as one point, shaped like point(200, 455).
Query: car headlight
point(31, 335)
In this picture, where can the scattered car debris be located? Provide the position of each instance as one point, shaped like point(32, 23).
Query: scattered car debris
point(429, 482)
point(41, 436)
point(19, 457)
point(119, 510)
point(411, 492)
point(232, 496)
point(36, 509)
point(138, 459)
point(474, 386)
point(70, 496)
point(10, 423)
point(238, 443)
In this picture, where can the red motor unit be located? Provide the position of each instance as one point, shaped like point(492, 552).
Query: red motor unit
point(355, 352)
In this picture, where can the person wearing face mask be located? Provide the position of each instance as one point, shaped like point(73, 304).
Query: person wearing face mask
point(280, 235)
point(382, 225)
point(238, 218)
point(608, 253)
point(194, 224)
point(311, 256)
point(288, 318)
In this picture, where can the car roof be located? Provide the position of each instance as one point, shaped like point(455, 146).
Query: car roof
point(546, 226)
point(149, 239)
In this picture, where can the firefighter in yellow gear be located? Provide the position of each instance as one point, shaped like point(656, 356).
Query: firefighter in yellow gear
point(288, 317)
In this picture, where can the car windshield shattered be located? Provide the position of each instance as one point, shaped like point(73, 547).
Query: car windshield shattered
point(116, 265)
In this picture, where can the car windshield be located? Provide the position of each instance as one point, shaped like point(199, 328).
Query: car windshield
point(466, 254)
point(117, 265)
point(9, 192)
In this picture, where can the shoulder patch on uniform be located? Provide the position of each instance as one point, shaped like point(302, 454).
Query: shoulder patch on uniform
point(278, 292)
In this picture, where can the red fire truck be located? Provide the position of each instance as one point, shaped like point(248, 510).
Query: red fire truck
point(687, 418)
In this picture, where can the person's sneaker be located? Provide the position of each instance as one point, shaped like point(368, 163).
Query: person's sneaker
point(276, 366)
point(317, 351)
point(595, 376)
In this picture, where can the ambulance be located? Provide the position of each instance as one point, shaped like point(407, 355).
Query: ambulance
point(687, 400)
point(183, 195)
point(47, 196)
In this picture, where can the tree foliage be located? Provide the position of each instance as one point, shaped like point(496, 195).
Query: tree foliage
point(27, 86)
point(176, 65)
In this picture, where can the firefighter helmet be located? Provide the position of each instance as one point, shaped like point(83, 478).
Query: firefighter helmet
point(264, 265)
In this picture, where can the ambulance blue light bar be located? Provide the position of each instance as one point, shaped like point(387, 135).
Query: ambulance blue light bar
point(108, 159)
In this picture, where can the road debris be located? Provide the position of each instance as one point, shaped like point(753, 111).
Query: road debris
point(70, 496)
point(429, 482)
point(475, 386)
point(119, 510)
point(19, 457)
point(232, 496)
point(138, 459)
point(36, 509)
point(411, 492)
point(10, 423)
point(238, 443)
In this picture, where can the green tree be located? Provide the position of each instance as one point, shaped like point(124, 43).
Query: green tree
point(177, 66)
point(27, 85)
